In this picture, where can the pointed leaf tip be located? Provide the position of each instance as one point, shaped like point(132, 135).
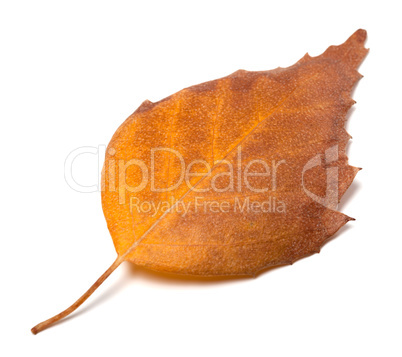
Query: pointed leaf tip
point(351, 52)
point(360, 35)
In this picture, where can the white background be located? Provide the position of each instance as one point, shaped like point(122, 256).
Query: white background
point(71, 72)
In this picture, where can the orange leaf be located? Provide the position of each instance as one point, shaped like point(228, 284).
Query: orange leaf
point(236, 175)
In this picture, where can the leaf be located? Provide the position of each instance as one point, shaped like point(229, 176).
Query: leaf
point(235, 175)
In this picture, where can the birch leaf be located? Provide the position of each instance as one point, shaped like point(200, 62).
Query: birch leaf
point(235, 175)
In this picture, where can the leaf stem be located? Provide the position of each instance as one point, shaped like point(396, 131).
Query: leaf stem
point(45, 324)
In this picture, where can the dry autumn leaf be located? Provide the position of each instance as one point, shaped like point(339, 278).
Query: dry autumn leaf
point(233, 176)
